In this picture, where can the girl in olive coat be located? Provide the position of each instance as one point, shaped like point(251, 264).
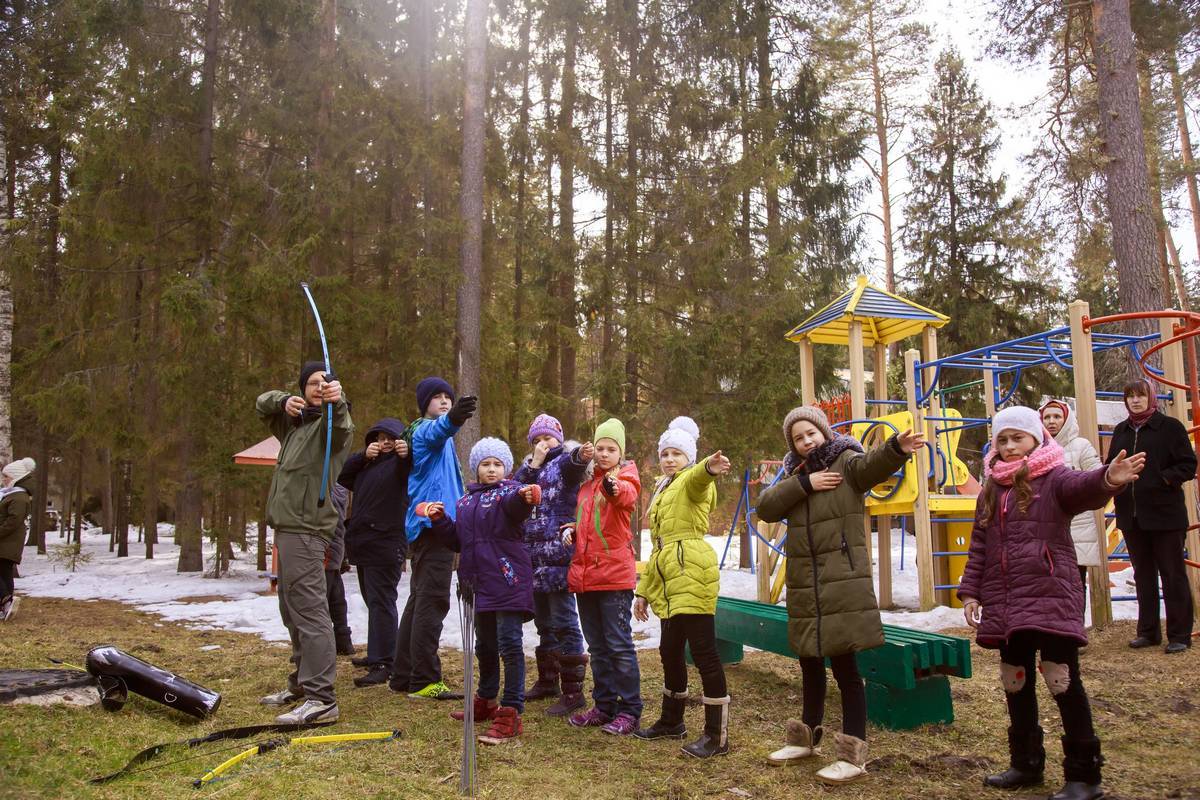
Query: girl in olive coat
point(680, 582)
point(832, 610)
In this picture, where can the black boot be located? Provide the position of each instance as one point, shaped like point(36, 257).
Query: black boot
point(1027, 760)
point(1081, 770)
point(670, 724)
point(378, 674)
point(342, 642)
point(547, 680)
point(715, 739)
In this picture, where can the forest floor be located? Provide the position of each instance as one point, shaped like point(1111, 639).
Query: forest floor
point(1147, 709)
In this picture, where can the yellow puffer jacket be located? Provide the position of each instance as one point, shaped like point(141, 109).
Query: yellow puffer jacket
point(681, 576)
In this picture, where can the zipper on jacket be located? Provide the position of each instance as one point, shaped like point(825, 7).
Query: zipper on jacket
point(846, 551)
point(662, 577)
point(812, 550)
point(1133, 486)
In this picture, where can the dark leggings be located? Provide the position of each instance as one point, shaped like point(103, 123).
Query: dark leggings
point(698, 631)
point(6, 577)
point(850, 684)
point(1019, 670)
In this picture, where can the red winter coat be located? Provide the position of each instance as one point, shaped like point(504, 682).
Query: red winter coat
point(604, 560)
point(1022, 567)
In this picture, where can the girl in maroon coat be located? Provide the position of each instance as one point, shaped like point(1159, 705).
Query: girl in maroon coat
point(1021, 591)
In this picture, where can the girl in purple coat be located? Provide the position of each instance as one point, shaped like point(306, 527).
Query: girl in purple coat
point(495, 565)
point(1021, 592)
point(559, 470)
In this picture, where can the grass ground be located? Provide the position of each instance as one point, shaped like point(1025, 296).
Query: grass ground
point(1146, 705)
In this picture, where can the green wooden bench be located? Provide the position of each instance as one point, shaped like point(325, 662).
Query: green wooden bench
point(906, 678)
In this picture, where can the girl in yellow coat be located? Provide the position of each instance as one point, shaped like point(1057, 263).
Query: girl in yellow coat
point(680, 583)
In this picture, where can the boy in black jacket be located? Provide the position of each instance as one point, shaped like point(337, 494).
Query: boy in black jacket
point(375, 537)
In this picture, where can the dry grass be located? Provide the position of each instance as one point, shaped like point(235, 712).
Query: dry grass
point(1146, 706)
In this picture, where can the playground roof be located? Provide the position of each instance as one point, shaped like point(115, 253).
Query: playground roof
point(265, 453)
point(886, 318)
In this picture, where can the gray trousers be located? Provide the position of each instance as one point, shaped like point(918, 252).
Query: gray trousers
point(304, 607)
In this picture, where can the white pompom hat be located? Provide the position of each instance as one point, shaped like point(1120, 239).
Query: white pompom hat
point(682, 434)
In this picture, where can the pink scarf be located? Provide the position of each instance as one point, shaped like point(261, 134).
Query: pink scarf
point(1040, 461)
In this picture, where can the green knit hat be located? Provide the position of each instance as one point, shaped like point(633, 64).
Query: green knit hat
point(611, 428)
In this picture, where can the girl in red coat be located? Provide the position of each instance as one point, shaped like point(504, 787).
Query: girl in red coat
point(603, 574)
point(1021, 591)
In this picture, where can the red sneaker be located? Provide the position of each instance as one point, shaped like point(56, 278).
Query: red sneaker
point(506, 725)
point(484, 710)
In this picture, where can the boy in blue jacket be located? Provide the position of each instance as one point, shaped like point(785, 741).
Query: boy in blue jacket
point(435, 477)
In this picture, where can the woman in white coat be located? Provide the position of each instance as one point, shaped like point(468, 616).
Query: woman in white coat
point(1079, 454)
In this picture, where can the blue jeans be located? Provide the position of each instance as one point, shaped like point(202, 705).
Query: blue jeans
point(617, 681)
point(498, 636)
point(378, 585)
point(557, 622)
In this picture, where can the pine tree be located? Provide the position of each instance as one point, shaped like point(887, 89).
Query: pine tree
point(972, 254)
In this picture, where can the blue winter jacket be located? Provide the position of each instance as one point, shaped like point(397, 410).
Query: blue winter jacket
point(559, 476)
point(435, 472)
point(494, 561)
point(375, 531)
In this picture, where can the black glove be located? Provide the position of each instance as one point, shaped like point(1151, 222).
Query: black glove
point(609, 484)
point(462, 410)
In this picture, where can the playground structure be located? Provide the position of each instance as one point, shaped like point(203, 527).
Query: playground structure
point(935, 488)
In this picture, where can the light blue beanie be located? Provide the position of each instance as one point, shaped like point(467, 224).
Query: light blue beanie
point(490, 447)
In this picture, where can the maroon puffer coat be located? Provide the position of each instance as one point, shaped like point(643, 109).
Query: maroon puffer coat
point(1022, 567)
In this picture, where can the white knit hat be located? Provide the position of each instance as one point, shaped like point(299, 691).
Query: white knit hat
point(1018, 418)
point(20, 468)
point(682, 434)
point(490, 447)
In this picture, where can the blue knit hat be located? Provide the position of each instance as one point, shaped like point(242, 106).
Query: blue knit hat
point(490, 447)
point(427, 388)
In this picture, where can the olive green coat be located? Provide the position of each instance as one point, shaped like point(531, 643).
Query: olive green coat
point(14, 509)
point(681, 576)
point(296, 485)
point(831, 602)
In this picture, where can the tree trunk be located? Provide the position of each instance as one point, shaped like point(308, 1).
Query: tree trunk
point(1185, 142)
point(470, 290)
point(261, 555)
point(189, 500)
point(549, 382)
point(208, 83)
point(1154, 172)
point(566, 214)
point(633, 124)
point(1127, 190)
point(881, 137)
point(106, 491)
point(37, 531)
point(766, 105)
point(78, 530)
point(120, 510)
point(609, 387)
point(320, 167)
point(517, 405)
point(126, 502)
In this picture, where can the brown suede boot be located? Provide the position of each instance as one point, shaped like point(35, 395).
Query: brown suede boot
point(547, 681)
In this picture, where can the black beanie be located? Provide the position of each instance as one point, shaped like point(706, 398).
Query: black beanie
point(307, 371)
point(427, 388)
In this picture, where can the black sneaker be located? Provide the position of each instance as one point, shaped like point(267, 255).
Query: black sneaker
point(376, 676)
point(1143, 641)
point(1177, 647)
point(361, 661)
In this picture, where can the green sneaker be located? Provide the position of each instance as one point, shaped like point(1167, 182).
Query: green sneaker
point(436, 691)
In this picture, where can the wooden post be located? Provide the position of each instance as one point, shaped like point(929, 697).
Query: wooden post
point(808, 387)
point(858, 399)
point(883, 522)
point(989, 394)
point(763, 562)
point(1173, 370)
point(1084, 372)
point(921, 524)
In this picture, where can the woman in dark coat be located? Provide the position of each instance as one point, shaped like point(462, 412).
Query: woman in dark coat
point(14, 509)
point(1153, 518)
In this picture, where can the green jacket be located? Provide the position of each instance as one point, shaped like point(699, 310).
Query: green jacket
point(831, 602)
point(296, 484)
point(681, 576)
point(14, 509)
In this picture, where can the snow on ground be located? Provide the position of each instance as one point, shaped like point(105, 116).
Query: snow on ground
point(240, 601)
